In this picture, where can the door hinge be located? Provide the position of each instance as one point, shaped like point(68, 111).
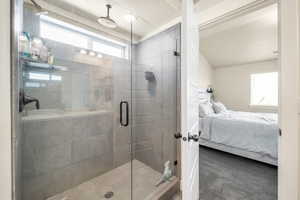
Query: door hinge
point(280, 132)
point(177, 135)
point(175, 163)
point(176, 53)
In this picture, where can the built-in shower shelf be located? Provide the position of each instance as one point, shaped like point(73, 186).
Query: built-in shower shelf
point(41, 65)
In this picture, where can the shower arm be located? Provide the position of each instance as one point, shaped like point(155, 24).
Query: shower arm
point(35, 4)
point(108, 10)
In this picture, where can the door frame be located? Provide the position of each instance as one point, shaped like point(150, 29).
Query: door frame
point(189, 91)
point(289, 142)
point(289, 101)
point(5, 105)
point(289, 91)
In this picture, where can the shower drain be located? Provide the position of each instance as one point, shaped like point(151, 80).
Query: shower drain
point(109, 195)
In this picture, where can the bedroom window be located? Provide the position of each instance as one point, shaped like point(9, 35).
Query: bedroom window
point(264, 89)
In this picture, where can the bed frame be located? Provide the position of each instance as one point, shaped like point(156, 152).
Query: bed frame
point(203, 95)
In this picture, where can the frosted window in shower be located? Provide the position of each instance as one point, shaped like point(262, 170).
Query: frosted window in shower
point(264, 89)
point(108, 49)
point(58, 34)
point(59, 31)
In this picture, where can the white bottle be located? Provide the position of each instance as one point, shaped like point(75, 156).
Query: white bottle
point(50, 58)
point(36, 47)
point(44, 54)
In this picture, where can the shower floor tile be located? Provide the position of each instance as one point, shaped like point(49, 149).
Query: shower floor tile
point(117, 181)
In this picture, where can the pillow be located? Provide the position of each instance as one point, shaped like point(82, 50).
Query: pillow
point(219, 107)
point(205, 109)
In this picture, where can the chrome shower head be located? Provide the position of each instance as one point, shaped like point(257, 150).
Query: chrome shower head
point(38, 9)
point(107, 21)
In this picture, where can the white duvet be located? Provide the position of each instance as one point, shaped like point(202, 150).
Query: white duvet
point(256, 132)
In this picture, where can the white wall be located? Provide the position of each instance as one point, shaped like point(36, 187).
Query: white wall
point(5, 121)
point(202, 75)
point(232, 85)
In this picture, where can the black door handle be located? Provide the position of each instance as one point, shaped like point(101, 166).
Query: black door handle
point(121, 113)
point(195, 137)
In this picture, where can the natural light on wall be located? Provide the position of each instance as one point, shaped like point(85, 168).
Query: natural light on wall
point(264, 89)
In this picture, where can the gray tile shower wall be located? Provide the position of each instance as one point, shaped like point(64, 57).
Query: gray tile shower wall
point(63, 151)
point(155, 100)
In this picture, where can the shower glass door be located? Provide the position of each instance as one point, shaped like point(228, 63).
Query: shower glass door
point(74, 102)
point(94, 115)
point(155, 75)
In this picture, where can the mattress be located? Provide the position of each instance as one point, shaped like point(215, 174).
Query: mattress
point(249, 132)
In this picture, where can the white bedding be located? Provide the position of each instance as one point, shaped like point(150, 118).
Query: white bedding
point(255, 132)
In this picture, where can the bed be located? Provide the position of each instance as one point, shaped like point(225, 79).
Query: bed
point(251, 135)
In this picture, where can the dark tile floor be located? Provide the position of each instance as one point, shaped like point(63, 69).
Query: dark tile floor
point(225, 176)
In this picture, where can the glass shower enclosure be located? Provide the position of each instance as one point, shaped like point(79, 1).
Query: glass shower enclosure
point(94, 114)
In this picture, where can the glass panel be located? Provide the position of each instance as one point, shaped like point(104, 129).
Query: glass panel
point(155, 77)
point(72, 144)
point(93, 126)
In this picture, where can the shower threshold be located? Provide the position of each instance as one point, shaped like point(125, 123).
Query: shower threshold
point(118, 181)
